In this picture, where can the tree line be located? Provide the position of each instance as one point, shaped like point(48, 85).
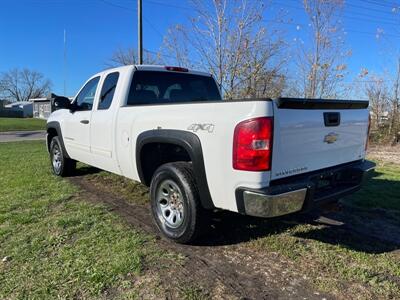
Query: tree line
point(251, 57)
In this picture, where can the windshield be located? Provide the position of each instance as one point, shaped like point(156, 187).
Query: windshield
point(155, 87)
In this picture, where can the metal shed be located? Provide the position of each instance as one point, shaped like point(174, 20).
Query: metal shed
point(41, 107)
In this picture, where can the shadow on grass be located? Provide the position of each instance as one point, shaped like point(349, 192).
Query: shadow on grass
point(370, 219)
point(85, 170)
point(370, 229)
point(347, 238)
point(228, 228)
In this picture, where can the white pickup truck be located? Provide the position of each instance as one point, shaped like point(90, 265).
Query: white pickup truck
point(168, 128)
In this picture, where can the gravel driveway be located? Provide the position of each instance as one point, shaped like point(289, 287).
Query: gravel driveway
point(16, 136)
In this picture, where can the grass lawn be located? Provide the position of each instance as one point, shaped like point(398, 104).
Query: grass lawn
point(383, 191)
point(57, 245)
point(20, 124)
point(52, 245)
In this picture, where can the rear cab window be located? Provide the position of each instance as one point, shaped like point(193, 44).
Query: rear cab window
point(108, 90)
point(158, 87)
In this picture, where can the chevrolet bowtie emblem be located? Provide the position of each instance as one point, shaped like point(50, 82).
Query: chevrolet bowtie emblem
point(330, 138)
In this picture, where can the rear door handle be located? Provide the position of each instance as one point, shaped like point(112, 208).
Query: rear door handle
point(85, 121)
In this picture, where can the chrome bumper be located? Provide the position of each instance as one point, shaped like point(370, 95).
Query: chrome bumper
point(268, 206)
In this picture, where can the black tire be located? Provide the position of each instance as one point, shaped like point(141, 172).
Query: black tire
point(179, 174)
point(61, 165)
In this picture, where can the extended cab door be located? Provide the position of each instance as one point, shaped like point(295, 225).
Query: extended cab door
point(103, 124)
point(76, 131)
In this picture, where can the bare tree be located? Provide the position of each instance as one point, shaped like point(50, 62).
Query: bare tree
point(229, 39)
point(320, 60)
point(395, 103)
point(392, 81)
point(379, 98)
point(175, 49)
point(123, 57)
point(22, 85)
point(258, 76)
point(128, 56)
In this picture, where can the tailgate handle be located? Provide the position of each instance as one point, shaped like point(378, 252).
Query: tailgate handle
point(331, 119)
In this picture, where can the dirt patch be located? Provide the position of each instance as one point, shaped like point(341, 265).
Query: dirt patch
point(219, 266)
point(390, 154)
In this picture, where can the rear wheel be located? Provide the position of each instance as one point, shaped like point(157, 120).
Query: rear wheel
point(175, 202)
point(61, 165)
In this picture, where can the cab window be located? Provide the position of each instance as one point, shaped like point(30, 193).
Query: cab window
point(84, 100)
point(154, 87)
point(108, 90)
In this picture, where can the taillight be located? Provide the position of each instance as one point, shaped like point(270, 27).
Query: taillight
point(252, 145)
point(369, 129)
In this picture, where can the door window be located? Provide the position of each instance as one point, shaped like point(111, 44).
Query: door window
point(84, 100)
point(108, 90)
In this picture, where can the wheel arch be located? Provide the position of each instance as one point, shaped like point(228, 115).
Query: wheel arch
point(191, 145)
point(53, 129)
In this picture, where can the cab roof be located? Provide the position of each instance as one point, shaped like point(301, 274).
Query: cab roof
point(158, 68)
point(168, 69)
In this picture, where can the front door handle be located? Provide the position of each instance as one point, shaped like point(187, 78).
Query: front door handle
point(85, 121)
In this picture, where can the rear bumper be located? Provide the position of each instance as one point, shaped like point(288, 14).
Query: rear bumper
point(302, 192)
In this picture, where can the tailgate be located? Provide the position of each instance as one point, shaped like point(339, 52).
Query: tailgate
point(314, 134)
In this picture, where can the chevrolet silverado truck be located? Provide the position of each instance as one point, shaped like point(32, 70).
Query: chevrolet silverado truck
point(169, 128)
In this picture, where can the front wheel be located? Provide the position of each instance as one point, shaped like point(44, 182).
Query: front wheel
point(175, 202)
point(61, 165)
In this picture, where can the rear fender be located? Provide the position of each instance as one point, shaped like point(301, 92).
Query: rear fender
point(191, 143)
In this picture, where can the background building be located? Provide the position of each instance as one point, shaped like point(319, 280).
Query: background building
point(23, 109)
point(3, 103)
point(41, 107)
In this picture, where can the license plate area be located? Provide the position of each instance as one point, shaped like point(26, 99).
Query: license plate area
point(324, 183)
point(333, 182)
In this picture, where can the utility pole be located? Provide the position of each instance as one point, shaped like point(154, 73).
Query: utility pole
point(140, 33)
point(65, 63)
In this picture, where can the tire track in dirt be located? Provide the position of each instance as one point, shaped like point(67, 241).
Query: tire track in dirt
point(220, 265)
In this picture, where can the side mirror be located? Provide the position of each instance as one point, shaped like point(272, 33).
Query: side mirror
point(60, 102)
point(72, 106)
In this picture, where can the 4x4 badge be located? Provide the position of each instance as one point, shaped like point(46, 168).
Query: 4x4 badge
point(197, 127)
